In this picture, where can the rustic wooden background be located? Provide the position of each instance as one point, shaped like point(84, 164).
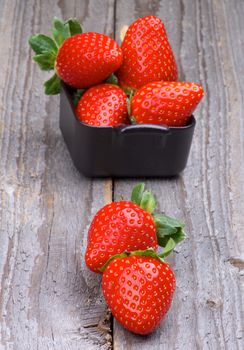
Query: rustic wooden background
point(49, 300)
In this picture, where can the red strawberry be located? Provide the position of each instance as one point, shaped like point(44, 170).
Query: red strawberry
point(87, 59)
point(147, 54)
point(170, 103)
point(127, 226)
point(80, 60)
point(103, 105)
point(138, 290)
point(118, 227)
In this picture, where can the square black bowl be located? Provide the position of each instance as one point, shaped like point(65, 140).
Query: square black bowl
point(142, 150)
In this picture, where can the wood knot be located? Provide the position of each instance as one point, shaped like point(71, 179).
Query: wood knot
point(237, 262)
point(214, 303)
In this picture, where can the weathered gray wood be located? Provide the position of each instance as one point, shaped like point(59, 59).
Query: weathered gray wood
point(207, 312)
point(49, 300)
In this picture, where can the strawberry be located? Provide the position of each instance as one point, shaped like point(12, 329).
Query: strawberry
point(87, 59)
point(79, 59)
point(138, 289)
point(127, 226)
point(170, 103)
point(147, 54)
point(103, 105)
point(118, 227)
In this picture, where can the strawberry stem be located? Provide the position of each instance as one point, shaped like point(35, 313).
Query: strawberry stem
point(112, 79)
point(132, 119)
point(129, 93)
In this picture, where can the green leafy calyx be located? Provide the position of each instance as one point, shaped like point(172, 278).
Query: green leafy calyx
point(148, 252)
point(116, 256)
point(168, 228)
point(45, 60)
point(60, 31)
point(74, 26)
point(145, 199)
point(53, 85)
point(41, 43)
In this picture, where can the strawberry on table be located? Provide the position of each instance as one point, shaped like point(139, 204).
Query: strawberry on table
point(79, 59)
point(138, 288)
point(127, 226)
point(103, 105)
point(147, 54)
point(169, 103)
point(118, 227)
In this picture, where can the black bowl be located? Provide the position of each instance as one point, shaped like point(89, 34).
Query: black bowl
point(143, 150)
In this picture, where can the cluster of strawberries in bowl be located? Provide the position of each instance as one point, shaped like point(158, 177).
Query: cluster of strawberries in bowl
point(134, 83)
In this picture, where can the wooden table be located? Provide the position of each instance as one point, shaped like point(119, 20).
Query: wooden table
point(49, 300)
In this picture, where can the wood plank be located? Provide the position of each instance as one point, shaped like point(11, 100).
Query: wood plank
point(49, 300)
point(207, 307)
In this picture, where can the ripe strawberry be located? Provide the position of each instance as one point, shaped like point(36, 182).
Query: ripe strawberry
point(80, 60)
point(139, 290)
point(127, 226)
point(147, 54)
point(87, 59)
point(103, 105)
point(170, 103)
point(118, 227)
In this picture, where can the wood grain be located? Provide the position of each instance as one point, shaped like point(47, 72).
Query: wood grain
point(49, 300)
point(207, 312)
